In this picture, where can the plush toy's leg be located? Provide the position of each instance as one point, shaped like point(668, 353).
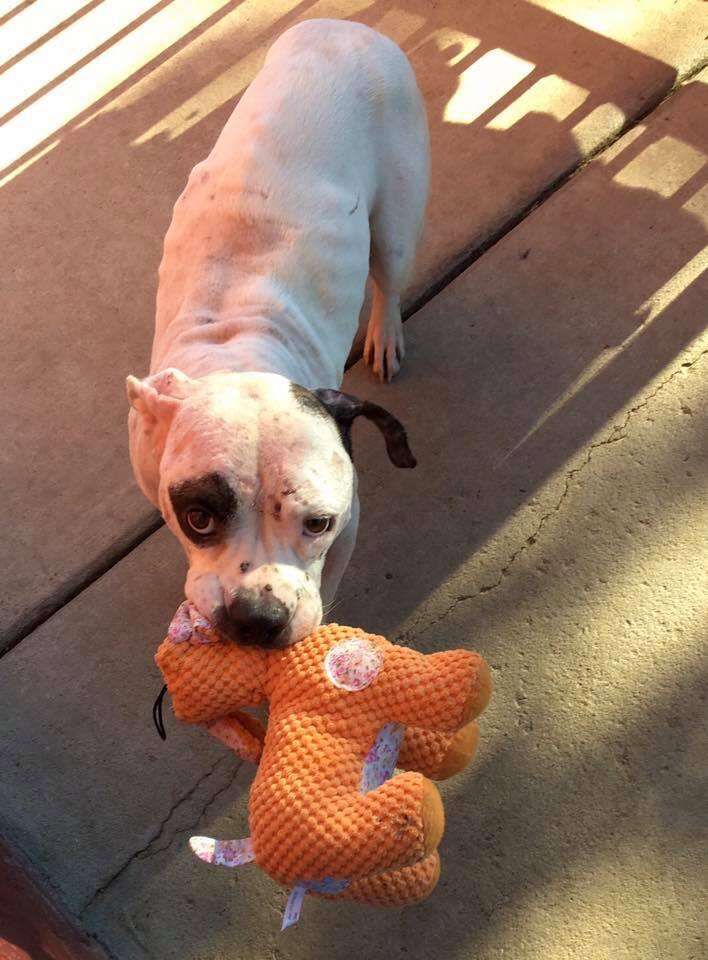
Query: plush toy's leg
point(240, 731)
point(395, 888)
point(395, 824)
point(438, 755)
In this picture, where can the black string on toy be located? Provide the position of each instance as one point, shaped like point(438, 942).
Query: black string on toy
point(157, 713)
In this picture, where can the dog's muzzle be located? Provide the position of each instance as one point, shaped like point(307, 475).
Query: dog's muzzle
point(254, 617)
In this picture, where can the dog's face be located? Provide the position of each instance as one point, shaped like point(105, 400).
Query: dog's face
point(256, 484)
point(253, 475)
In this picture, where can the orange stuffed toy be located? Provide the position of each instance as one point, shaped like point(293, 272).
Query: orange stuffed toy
point(327, 814)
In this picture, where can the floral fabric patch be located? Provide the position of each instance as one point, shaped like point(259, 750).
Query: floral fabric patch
point(224, 853)
point(188, 625)
point(380, 761)
point(353, 664)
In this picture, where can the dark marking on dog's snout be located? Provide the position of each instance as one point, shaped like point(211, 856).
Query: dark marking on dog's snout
point(277, 508)
point(287, 492)
point(268, 587)
point(245, 566)
point(255, 618)
point(210, 493)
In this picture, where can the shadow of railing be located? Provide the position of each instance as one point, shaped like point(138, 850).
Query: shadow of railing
point(613, 275)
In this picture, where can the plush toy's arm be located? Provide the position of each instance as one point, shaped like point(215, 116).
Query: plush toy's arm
point(242, 733)
point(439, 691)
point(209, 681)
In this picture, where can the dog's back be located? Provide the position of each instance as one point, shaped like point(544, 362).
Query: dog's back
point(275, 221)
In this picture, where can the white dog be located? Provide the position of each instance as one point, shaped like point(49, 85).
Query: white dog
point(240, 435)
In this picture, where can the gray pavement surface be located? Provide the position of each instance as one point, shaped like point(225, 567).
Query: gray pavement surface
point(556, 397)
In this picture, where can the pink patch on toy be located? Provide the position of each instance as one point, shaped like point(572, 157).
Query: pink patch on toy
point(188, 625)
point(202, 630)
point(180, 630)
point(224, 853)
point(353, 664)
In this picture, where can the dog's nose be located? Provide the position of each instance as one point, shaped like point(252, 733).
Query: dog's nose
point(255, 617)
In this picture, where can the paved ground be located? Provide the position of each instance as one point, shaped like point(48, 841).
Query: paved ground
point(555, 393)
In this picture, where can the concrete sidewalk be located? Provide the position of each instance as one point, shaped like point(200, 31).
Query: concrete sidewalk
point(556, 398)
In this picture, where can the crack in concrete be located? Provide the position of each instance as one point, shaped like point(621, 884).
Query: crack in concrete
point(143, 852)
point(618, 432)
point(146, 852)
point(202, 813)
point(103, 945)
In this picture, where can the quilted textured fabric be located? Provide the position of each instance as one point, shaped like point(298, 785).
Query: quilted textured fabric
point(329, 695)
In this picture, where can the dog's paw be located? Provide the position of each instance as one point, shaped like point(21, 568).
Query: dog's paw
point(384, 348)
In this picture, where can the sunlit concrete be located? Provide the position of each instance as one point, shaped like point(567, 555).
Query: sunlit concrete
point(556, 398)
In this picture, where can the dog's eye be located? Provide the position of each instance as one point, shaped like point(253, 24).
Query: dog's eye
point(314, 526)
point(201, 521)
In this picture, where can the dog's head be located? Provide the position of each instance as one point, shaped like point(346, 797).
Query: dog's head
point(253, 474)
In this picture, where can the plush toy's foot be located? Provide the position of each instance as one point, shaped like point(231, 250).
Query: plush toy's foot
point(438, 755)
point(480, 692)
point(353, 835)
point(460, 750)
point(433, 816)
point(395, 888)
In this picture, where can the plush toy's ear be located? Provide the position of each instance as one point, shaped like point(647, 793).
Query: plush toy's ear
point(158, 396)
point(345, 409)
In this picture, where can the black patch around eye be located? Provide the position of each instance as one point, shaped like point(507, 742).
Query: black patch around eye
point(210, 492)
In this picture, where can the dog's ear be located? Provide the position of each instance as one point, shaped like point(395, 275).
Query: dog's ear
point(154, 402)
point(158, 397)
point(345, 409)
